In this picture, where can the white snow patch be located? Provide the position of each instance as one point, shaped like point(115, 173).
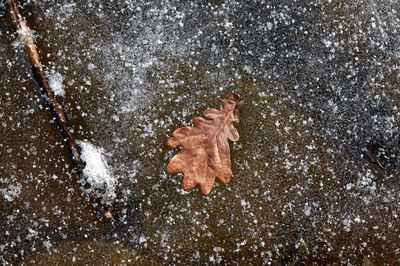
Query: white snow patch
point(56, 83)
point(97, 170)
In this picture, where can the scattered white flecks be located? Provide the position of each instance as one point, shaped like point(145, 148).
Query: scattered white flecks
point(327, 43)
point(196, 255)
point(47, 244)
point(217, 250)
point(349, 186)
point(307, 210)
point(32, 233)
point(56, 83)
point(143, 240)
point(97, 170)
point(11, 192)
point(115, 117)
point(346, 224)
point(91, 66)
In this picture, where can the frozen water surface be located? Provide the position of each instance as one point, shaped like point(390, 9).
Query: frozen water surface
point(319, 79)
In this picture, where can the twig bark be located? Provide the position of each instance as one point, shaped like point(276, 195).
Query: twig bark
point(57, 110)
point(372, 153)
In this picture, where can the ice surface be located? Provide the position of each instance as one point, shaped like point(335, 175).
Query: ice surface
point(319, 80)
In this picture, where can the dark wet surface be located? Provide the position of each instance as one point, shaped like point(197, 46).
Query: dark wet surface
point(319, 81)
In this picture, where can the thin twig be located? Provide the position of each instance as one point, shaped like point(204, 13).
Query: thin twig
point(304, 245)
point(57, 110)
point(372, 153)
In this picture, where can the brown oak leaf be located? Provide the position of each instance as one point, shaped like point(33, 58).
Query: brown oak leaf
point(206, 152)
